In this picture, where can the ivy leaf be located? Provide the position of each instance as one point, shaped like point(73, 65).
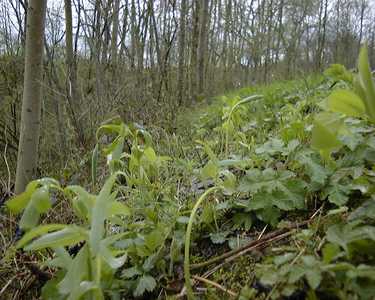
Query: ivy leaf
point(316, 171)
point(145, 283)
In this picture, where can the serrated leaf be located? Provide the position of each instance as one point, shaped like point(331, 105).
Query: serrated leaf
point(317, 172)
point(145, 283)
point(131, 272)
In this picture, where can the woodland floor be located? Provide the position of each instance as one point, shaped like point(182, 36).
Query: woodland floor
point(285, 225)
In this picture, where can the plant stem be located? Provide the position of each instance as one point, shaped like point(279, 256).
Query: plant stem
point(187, 242)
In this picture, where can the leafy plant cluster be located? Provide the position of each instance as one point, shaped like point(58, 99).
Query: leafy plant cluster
point(254, 162)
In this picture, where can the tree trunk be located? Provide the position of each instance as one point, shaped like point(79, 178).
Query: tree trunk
point(72, 92)
point(181, 53)
point(31, 102)
point(202, 47)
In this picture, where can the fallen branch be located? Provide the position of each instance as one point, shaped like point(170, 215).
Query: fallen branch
point(215, 284)
point(277, 234)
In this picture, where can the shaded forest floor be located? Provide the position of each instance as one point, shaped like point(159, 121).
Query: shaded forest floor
point(284, 223)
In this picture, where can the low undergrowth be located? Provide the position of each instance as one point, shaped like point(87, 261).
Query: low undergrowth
point(265, 193)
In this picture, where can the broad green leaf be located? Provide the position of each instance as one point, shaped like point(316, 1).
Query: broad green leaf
point(324, 134)
point(347, 102)
point(77, 272)
point(109, 257)
point(150, 154)
point(210, 170)
point(19, 202)
point(69, 235)
point(330, 251)
point(145, 283)
point(338, 194)
point(118, 208)
point(155, 238)
point(40, 230)
point(317, 172)
point(367, 82)
point(99, 213)
point(83, 202)
point(41, 199)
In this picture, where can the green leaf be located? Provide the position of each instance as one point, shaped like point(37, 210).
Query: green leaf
point(313, 277)
point(155, 238)
point(77, 272)
point(330, 252)
point(210, 170)
point(99, 213)
point(145, 283)
point(131, 272)
point(338, 194)
point(19, 202)
point(69, 235)
point(150, 154)
point(347, 102)
point(324, 134)
point(219, 237)
point(118, 208)
point(317, 172)
point(94, 163)
point(366, 82)
point(40, 230)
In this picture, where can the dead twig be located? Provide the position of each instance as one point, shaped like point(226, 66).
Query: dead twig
point(216, 285)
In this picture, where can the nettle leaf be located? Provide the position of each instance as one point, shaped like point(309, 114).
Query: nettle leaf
point(330, 252)
point(219, 237)
point(343, 235)
point(271, 147)
point(267, 180)
point(366, 210)
point(316, 171)
point(242, 221)
point(155, 238)
point(347, 102)
point(288, 195)
point(338, 194)
point(131, 272)
point(145, 283)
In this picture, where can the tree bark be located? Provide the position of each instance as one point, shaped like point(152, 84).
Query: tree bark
point(72, 92)
point(31, 101)
point(181, 53)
